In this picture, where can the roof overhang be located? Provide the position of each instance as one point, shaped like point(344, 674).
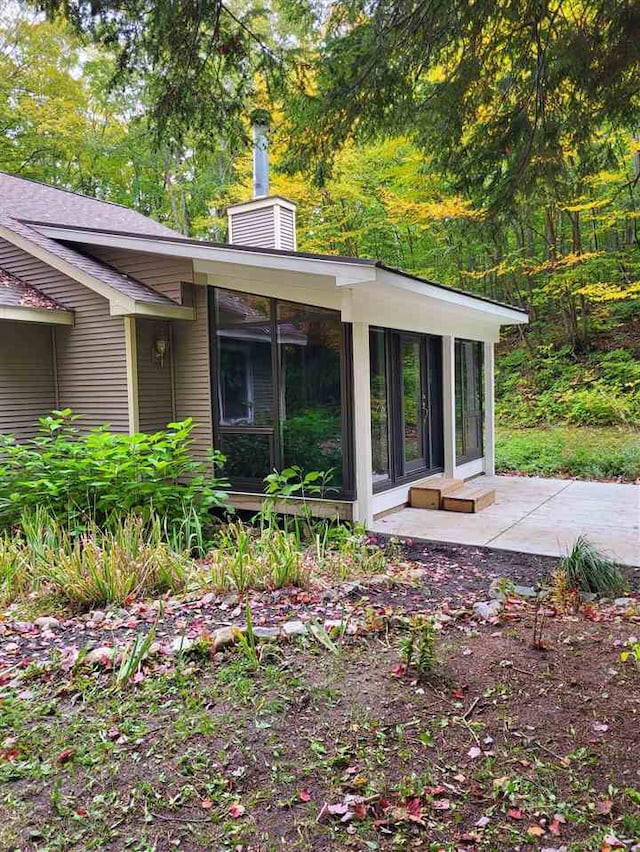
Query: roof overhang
point(119, 303)
point(348, 273)
point(23, 313)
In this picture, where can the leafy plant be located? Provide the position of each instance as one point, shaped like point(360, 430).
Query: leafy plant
point(631, 652)
point(247, 642)
point(97, 476)
point(133, 656)
point(589, 570)
point(418, 647)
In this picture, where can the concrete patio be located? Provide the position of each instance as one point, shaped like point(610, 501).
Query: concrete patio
point(534, 515)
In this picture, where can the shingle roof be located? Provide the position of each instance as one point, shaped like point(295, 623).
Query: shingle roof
point(15, 293)
point(29, 200)
point(120, 282)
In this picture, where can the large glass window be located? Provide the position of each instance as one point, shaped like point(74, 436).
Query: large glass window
point(379, 405)
point(279, 384)
point(469, 400)
point(310, 345)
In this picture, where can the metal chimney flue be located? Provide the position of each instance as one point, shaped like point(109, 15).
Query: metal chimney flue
point(260, 160)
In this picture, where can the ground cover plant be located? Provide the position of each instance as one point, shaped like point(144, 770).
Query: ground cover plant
point(611, 453)
point(328, 740)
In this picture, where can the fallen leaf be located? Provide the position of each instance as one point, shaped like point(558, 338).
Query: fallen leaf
point(236, 810)
point(206, 804)
point(474, 752)
point(515, 813)
point(536, 831)
point(304, 795)
point(604, 807)
point(66, 755)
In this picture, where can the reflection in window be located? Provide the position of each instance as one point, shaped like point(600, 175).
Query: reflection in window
point(309, 344)
point(411, 365)
point(469, 400)
point(379, 405)
point(248, 454)
point(243, 335)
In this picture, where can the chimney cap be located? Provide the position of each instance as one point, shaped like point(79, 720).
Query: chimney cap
point(264, 201)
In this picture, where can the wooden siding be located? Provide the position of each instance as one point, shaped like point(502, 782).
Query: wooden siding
point(191, 369)
point(254, 228)
point(287, 229)
point(155, 395)
point(90, 356)
point(164, 274)
point(27, 383)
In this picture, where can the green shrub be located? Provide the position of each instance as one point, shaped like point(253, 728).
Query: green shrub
point(100, 475)
point(596, 406)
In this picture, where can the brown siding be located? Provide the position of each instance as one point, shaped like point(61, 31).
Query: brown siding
point(192, 377)
point(164, 274)
point(27, 385)
point(155, 397)
point(91, 355)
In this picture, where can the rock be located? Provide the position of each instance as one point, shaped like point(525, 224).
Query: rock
point(46, 622)
point(293, 628)
point(225, 636)
point(623, 603)
point(266, 632)
point(352, 589)
point(487, 609)
point(181, 644)
point(103, 655)
point(525, 592)
point(588, 597)
point(97, 616)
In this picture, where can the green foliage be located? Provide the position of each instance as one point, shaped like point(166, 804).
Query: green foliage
point(631, 654)
point(418, 647)
point(588, 453)
point(98, 476)
point(133, 656)
point(129, 560)
point(589, 570)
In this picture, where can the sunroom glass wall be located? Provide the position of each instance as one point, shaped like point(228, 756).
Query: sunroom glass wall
point(278, 369)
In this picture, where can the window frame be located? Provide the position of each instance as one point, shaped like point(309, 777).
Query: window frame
point(398, 473)
point(467, 412)
point(219, 429)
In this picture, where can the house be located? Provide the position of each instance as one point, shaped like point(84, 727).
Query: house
point(281, 357)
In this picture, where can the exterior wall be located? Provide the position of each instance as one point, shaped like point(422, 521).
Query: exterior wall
point(164, 274)
point(192, 377)
point(90, 355)
point(27, 382)
point(155, 386)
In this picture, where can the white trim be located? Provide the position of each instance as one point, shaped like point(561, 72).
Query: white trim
point(468, 469)
point(489, 410)
point(277, 233)
point(153, 310)
point(262, 203)
point(362, 422)
point(20, 313)
point(449, 403)
point(131, 347)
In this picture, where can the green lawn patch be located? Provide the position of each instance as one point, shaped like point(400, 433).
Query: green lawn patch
point(584, 452)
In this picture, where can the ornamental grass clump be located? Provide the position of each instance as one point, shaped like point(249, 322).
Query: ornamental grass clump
point(588, 570)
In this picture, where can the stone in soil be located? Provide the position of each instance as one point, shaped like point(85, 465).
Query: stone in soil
point(487, 609)
point(294, 628)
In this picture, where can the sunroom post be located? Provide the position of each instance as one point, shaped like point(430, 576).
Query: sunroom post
point(362, 422)
point(449, 403)
point(489, 409)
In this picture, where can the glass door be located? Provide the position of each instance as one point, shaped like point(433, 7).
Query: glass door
point(414, 407)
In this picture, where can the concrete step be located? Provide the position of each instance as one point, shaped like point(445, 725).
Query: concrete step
point(430, 494)
point(471, 498)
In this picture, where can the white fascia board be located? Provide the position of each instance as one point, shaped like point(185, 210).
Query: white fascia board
point(113, 296)
point(500, 313)
point(153, 310)
point(344, 273)
point(22, 313)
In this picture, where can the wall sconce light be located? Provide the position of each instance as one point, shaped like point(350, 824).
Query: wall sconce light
point(160, 348)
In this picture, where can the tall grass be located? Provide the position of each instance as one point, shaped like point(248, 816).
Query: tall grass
point(130, 559)
point(589, 570)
